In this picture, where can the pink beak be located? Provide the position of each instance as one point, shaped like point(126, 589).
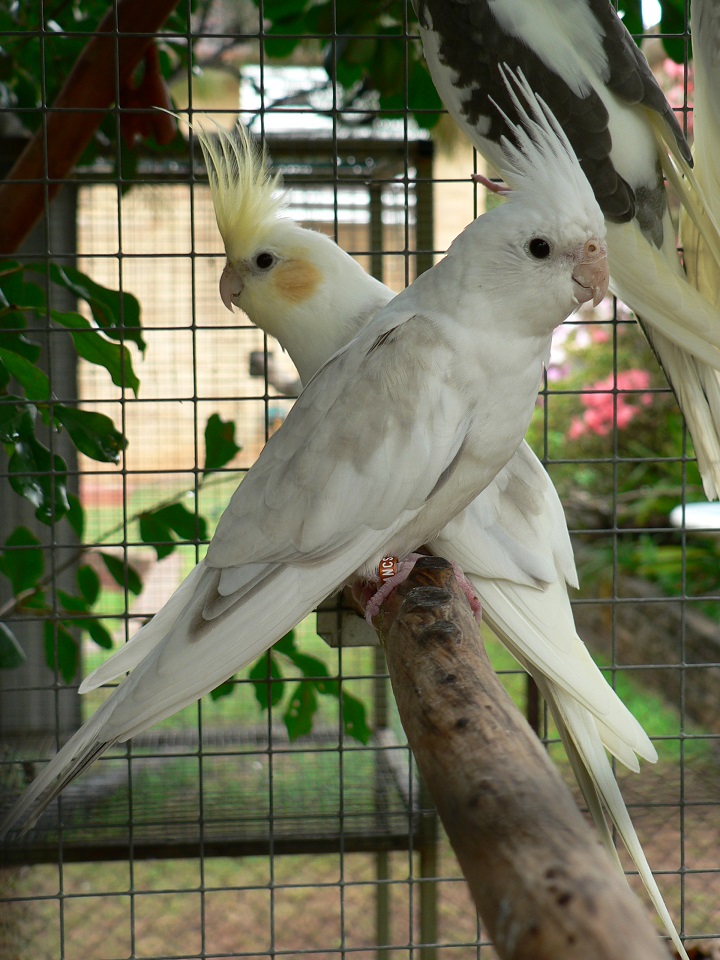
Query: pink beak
point(591, 275)
point(231, 285)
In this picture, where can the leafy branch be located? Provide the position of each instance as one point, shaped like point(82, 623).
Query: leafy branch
point(301, 701)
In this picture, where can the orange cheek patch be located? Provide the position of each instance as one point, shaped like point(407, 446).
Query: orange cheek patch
point(297, 280)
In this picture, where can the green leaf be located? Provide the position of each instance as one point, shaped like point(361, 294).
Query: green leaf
point(299, 715)
point(98, 633)
point(88, 583)
point(161, 527)
point(423, 99)
point(309, 666)
point(632, 16)
point(40, 478)
point(21, 293)
point(265, 674)
point(12, 325)
point(65, 651)
point(220, 445)
point(158, 535)
point(23, 562)
point(286, 644)
point(11, 653)
point(94, 347)
point(76, 515)
point(17, 419)
point(117, 314)
point(35, 382)
point(672, 20)
point(353, 710)
point(93, 434)
point(355, 718)
point(182, 521)
point(71, 603)
point(223, 690)
point(122, 573)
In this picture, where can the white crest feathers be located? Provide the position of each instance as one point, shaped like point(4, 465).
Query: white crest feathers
point(542, 161)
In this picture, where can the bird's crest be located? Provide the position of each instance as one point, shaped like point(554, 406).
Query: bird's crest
point(541, 160)
point(244, 191)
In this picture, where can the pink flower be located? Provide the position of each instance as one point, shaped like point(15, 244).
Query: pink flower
point(613, 402)
point(577, 429)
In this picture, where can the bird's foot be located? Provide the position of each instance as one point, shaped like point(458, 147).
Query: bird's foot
point(469, 591)
point(491, 185)
point(391, 574)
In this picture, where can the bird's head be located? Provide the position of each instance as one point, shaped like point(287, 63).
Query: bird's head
point(294, 283)
point(556, 211)
point(269, 265)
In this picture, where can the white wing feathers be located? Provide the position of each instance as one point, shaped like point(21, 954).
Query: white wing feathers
point(520, 521)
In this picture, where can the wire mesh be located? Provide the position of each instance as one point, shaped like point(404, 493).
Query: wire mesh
point(217, 835)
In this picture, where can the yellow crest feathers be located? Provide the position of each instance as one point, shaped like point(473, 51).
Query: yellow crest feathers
point(243, 190)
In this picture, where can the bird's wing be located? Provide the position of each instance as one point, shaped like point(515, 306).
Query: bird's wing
point(538, 628)
point(513, 544)
point(405, 435)
point(699, 222)
point(515, 530)
point(560, 51)
point(381, 410)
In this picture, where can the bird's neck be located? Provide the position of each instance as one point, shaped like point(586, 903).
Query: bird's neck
point(322, 326)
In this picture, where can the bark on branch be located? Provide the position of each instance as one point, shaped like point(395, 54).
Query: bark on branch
point(544, 887)
point(103, 68)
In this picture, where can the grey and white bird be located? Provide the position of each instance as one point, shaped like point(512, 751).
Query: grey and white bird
point(581, 59)
point(396, 434)
point(512, 541)
point(702, 261)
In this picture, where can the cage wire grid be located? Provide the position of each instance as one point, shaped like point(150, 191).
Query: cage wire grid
point(216, 834)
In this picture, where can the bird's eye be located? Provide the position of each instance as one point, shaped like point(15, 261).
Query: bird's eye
point(264, 260)
point(539, 248)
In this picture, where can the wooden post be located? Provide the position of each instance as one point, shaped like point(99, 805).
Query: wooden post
point(104, 66)
point(543, 885)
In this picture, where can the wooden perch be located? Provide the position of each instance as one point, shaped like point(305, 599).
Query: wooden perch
point(543, 885)
point(104, 66)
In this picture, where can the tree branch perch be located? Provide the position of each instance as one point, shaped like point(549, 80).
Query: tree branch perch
point(544, 887)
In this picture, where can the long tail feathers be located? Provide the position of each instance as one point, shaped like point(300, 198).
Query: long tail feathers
point(538, 628)
point(176, 668)
point(146, 639)
point(600, 789)
point(588, 713)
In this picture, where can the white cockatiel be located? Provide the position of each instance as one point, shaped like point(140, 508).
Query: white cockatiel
point(702, 262)
point(581, 59)
point(512, 541)
point(396, 434)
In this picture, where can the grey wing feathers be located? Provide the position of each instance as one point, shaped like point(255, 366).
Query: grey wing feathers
point(470, 41)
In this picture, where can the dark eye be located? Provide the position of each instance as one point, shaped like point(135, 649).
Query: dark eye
point(539, 248)
point(264, 260)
